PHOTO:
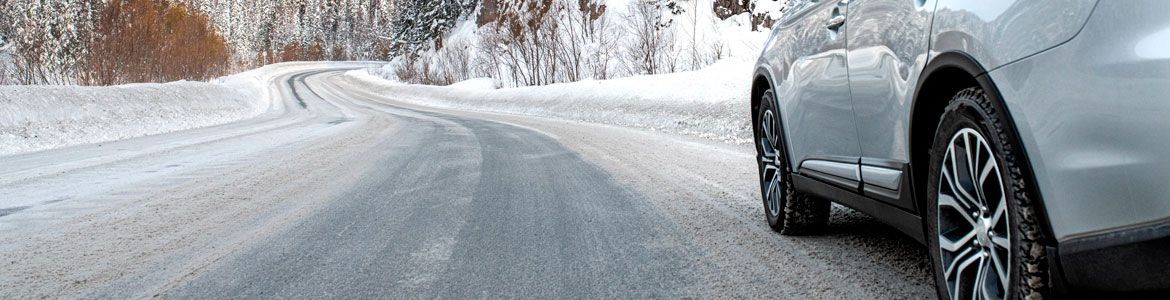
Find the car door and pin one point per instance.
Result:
(888, 42)
(812, 89)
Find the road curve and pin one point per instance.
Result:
(343, 192)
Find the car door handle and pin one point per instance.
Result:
(835, 23)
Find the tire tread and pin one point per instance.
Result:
(801, 213)
(1033, 270)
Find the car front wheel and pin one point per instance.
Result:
(984, 237)
(787, 211)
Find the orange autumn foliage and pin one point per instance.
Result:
(154, 41)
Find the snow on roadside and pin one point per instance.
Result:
(709, 103)
(35, 118)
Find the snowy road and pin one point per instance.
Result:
(343, 193)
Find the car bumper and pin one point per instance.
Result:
(1094, 118)
(1130, 260)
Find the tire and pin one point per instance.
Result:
(787, 211)
(988, 213)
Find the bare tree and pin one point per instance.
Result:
(649, 39)
(524, 40)
(490, 61)
(5, 54)
(718, 49)
(406, 70)
(455, 61)
(573, 33)
(604, 37)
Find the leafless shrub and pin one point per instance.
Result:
(445, 66)
(604, 36)
(5, 57)
(147, 41)
(455, 62)
(573, 34)
(414, 69)
(405, 71)
(430, 75)
(5, 68)
(649, 39)
(670, 62)
(539, 42)
(523, 43)
(490, 62)
(717, 51)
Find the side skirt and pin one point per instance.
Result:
(902, 220)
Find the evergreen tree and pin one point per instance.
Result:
(422, 21)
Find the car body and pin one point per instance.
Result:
(860, 86)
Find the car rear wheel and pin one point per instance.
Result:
(787, 211)
(984, 234)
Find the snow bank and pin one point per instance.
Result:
(709, 103)
(34, 118)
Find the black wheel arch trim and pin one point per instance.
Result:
(949, 62)
(760, 72)
(763, 72)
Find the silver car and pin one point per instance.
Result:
(1025, 142)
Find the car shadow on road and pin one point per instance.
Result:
(868, 245)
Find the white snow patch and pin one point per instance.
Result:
(710, 103)
(35, 118)
(484, 83)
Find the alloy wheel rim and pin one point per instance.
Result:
(771, 162)
(974, 226)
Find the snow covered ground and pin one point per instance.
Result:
(34, 118)
(709, 103)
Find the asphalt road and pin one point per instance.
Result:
(344, 193)
(463, 208)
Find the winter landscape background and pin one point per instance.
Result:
(419, 148)
(155, 66)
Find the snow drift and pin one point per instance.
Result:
(34, 118)
(709, 103)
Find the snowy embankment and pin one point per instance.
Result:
(34, 118)
(710, 103)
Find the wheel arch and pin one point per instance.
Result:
(946, 74)
(761, 82)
